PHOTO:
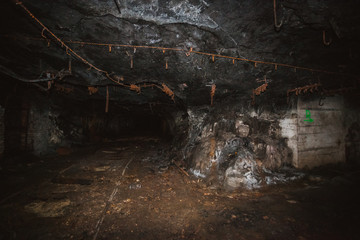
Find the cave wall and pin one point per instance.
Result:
(32, 125)
(352, 126)
(235, 145)
(238, 145)
(45, 135)
(16, 118)
(2, 128)
(42, 123)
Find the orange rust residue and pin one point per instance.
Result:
(168, 91)
(92, 90)
(304, 89)
(212, 93)
(136, 88)
(260, 89)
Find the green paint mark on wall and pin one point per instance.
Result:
(308, 116)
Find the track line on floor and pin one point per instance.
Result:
(109, 201)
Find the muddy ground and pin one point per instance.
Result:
(128, 190)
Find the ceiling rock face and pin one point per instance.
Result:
(241, 29)
(223, 77)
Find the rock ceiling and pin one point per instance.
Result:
(181, 47)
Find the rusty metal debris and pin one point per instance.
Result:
(168, 91)
(300, 90)
(212, 93)
(258, 91)
(166, 63)
(136, 88)
(92, 90)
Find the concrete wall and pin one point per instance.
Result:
(321, 141)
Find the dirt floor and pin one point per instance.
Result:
(127, 190)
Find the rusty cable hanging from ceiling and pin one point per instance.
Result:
(107, 100)
(212, 93)
(255, 62)
(277, 26)
(299, 90)
(70, 51)
(326, 42)
(163, 87)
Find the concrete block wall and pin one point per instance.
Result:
(320, 141)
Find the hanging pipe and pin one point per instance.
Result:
(277, 26)
(326, 43)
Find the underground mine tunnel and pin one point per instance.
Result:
(181, 119)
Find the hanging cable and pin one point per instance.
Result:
(277, 26)
(71, 51)
(212, 93)
(107, 100)
(61, 74)
(275, 64)
(326, 43)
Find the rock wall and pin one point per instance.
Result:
(45, 134)
(236, 146)
(352, 126)
(233, 147)
(2, 129)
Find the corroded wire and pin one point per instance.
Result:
(70, 51)
(277, 26)
(326, 43)
(255, 62)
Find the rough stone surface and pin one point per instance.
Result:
(242, 29)
(243, 172)
(242, 129)
(226, 158)
(2, 129)
(46, 133)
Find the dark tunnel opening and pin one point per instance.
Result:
(43, 124)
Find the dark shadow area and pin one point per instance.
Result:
(41, 123)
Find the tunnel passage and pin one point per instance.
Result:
(142, 112)
(42, 124)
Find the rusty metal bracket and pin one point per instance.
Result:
(320, 101)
